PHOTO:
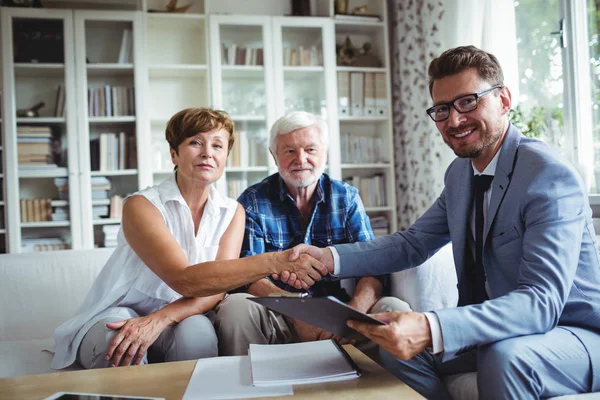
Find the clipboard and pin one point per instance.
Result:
(327, 313)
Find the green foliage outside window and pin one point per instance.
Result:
(536, 122)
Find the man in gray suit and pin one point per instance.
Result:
(528, 319)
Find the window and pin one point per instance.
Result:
(558, 45)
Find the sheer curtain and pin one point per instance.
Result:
(420, 31)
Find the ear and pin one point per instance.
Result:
(174, 157)
(274, 158)
(505, 100)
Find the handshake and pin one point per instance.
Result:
(303, 265)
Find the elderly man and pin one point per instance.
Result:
(300, 204)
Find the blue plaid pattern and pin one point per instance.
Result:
(274, 223)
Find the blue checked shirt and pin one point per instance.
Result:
(274, 223)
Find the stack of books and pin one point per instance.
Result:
(35, 147)
(43, 244)
(380, 226)
(110, 235)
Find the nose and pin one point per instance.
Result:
(207, 152)
(455, 118)
(301, 157)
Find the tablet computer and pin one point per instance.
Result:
(327, 313)
(94, 396)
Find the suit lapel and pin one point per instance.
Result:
(504, 169)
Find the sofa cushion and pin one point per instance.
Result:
(431, 285)
(27, 357)
(39, 291)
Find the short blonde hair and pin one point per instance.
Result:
(191, 121)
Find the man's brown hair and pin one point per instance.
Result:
(458, 59)
(192, 121)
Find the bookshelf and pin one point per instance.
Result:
(255, 64)
(91, 90)
(176, 48)
(243, 85)
(365, 115)
(36, 148)
(263, 67)
(110, 78)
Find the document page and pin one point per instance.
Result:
(227, 378)
(300, 363)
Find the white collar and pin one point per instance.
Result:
(491, 167)
(169, 191)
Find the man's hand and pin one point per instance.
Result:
(406, 335)
(135, 336)
(306, 269)
(322, 255)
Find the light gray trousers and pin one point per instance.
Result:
(190, 339)
(241, 322)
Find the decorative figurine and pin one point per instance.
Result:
(172, 8)
(31, 112)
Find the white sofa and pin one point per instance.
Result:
(39, 291)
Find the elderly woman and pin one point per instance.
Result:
(174, 260)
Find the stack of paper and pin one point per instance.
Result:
(227, 378)
(300, 363)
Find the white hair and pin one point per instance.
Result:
(294, 121)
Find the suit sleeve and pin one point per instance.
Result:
(552, 211)
(399, 251)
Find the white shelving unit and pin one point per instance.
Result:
(176, 48)
(110, 124)
(246, 92)
(179, 61)
(28, 80)
(96, 55)
(376, 127)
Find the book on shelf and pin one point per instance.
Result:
(36, 210)
(116, 207)
(110, 235)
(59, 108)
(314, 362)
(370, 188)
(111, 101)
(369, 92)
(302, 56)
(30, 245)
(343, 93)
(357, 98)
(126, 50)
(381, 102)
(232, 54)
(357, 18)
(358, 149)
(111, 151)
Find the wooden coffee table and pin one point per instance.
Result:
(169, 380)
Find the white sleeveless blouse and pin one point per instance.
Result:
(126, 283)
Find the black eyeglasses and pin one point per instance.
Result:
(464, 104)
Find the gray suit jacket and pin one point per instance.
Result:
(540, 257)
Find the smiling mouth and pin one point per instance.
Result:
(463, 133)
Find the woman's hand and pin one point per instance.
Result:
(135, 336)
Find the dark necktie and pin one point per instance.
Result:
(481, 183)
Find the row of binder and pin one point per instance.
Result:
(362, 94)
